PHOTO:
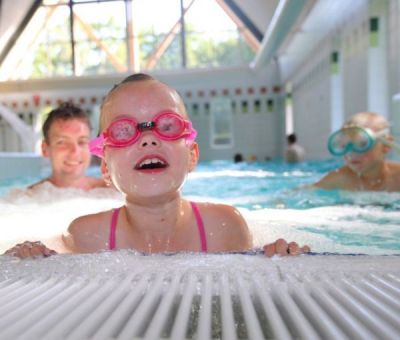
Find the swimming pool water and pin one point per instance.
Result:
(269, 194)
(276, 184)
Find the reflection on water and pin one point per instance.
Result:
(267, 193)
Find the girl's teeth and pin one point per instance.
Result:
(151, 161)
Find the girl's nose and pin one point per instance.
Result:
(148, 139)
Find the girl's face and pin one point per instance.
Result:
(151, 166)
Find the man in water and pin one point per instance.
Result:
(66, 135)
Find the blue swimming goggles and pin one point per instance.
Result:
(356, 139)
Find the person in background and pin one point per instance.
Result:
(66, 135)
(147, 146)
(238, 158)
(364, 141)
(294, 152)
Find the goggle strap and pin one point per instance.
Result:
(395, 146)
(96, 146)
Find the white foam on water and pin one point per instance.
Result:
(337, 229)
(48, 212)
(111, 264)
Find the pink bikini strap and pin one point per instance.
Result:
(113, 227)
(200, 226)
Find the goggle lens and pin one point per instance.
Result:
(170, 126)
(122, 131)
(353, 139)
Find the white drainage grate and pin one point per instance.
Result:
(210, 306)
(200, 305)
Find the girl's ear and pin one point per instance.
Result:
(105, 173)
(45, 149)
(194, 156)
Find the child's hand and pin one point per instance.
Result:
(30, 249)
(282, 248)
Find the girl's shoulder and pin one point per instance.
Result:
(218, 210)
(225, 226)
(89, 233)
(90, 220)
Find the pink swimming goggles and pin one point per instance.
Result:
(126, 131)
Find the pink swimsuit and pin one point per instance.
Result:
(196, 211)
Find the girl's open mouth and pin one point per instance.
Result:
(151, 164)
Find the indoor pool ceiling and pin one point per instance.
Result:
(297, 27)
(290, 29)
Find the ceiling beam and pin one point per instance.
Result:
(13, 38)
(245, 20)
(282, 22)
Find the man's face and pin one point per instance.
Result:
(67, 147)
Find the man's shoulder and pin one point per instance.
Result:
(95, 182)
(38, 184)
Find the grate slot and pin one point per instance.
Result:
(102, 311)
(228, 321)
(319, 318)
(343, 318)
(118, 318)
(379, 307)
(205, 312)
(391, 287)
(29, 300)
(278, 326)
(363, 313)
(156, 326)
(303, 329)
(75, 310)
(253, 328)
(393, 277)
(10, 290)
(38, 308)
(141, 317)
(182, 318)
(380, 292)
(23, 292)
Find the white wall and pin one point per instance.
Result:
(354, 39)
(368, 78)
(311, 105)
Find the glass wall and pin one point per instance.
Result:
(87, 37)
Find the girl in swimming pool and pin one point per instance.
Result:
(147, 149)
(364, 142)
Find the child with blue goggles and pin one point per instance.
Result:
(364, 142)
(357, 139)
